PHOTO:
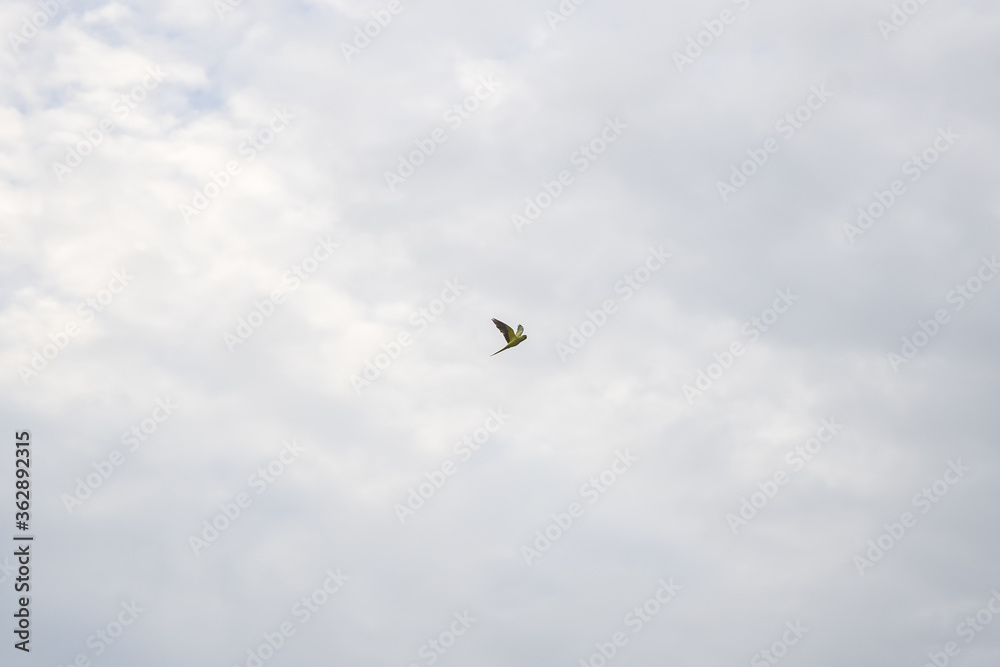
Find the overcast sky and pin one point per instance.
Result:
(250, 252)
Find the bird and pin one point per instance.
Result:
(512, 337)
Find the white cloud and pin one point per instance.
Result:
(323, 176)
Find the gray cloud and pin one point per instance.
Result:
(63, 237)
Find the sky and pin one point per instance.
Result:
(249, 257)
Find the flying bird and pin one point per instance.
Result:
(512, 337)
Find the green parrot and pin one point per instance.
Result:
(512, 337)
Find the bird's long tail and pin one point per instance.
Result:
(499, 351)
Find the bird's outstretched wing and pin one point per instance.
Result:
(507, 332)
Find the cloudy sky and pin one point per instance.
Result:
(250, 252)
